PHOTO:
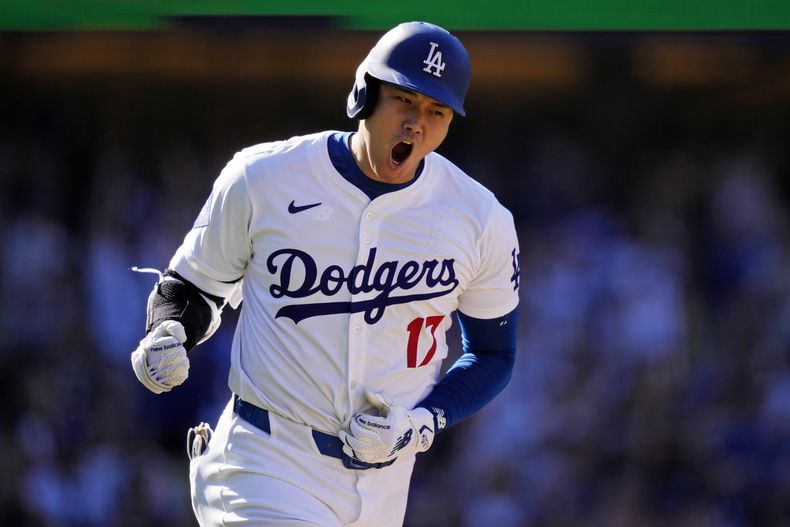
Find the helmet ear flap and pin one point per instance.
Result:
(363, 97)
(356, 98)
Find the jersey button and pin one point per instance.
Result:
(368, 239)
(353, 385)
(356, 329)
(369, 215)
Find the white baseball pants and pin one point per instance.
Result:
(247, 477)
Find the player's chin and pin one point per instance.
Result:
(400, 172)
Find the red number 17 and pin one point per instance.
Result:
(415, 328)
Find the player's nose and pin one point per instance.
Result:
(414, 121)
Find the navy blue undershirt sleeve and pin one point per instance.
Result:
(482, 372)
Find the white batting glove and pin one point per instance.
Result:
(395, 431)
(160, 361)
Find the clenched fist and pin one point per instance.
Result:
(396, 430)
(160, 361)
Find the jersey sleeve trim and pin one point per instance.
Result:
(208, 280)
(492, 312)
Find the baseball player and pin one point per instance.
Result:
(352, 252)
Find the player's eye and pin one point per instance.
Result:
(402, 99)
(438, 113)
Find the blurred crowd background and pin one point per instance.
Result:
(649, 176)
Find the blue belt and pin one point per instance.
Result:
(327, 444)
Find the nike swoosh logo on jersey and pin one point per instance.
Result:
(293, 209)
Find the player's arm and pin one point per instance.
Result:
(479, 375)
(185, 306)
(488, 339)
(179, 316)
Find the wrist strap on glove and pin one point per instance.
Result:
(174, 298)
(422, 422)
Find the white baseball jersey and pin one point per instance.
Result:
(342, 293)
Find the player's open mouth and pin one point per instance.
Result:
(400, 152)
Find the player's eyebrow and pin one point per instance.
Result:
(414, 93)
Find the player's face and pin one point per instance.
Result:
(405, 127)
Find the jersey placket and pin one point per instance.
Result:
(358, 330)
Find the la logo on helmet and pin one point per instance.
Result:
(434, 64)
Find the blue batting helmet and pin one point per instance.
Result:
(417, 56)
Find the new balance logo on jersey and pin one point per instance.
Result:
(434, 64)
(386, 278)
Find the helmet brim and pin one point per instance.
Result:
(429, 87)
